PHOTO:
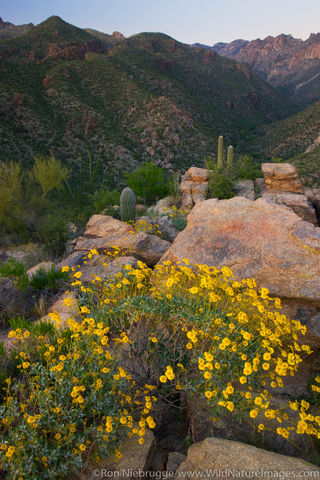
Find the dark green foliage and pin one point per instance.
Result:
(113, 99)
(104, 199)
(221, 179)
(246, 168)
(219, 184)
(308, 166)
(174, 183)
(52, 279)
(52, 234)
(179, 222)
(16, 271)
(127, 205)
(148, 182)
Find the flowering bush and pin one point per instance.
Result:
(201, 331)
(197, 330)
(71, 403)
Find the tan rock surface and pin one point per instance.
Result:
(45, 266)
(281, 177)
(255, 239)
(225, 457)
(104, 232)
(193, 187)
(297, 202)
(135, 458)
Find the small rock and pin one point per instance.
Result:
(174, 461)
(168, 230)
(164, 205)
(64, 310)
(193, 187)
(244, 188)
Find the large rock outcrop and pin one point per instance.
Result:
(193, 188)
(104, 232)
(281, 177)
(228, 459)
(266, 241)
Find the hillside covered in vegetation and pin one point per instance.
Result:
(147, 97)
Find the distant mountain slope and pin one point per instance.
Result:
(67, 90)
(9, 30)
(291, 136)
(108, 40)
(308, 165)
(296, 139)
(289, 64)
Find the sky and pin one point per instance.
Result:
(189, 21)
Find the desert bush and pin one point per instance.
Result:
(104, 199)
(52, 279)
(71, 401)
(52, 233)
(148, 182)
(10, 192)
(201, 331)
(196, 329)
(246, 168)
(15, 270)
(219, 184)
(179, 222)
(48, 173)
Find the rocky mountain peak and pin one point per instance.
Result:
(118, 35)
(4, 25)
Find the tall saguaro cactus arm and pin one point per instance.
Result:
(230, 156)
(220, 152)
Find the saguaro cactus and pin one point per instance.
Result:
(220, 152)
(230, 156)
(127, 205)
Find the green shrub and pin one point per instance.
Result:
(148, 182)
(49, 173)
(104, 199)
(52, 234)
(174, 183)
(179, 222)
(219, 184)
(52, 279)
(245, 168)
(15, 270)
(10, 192)
(71, 403)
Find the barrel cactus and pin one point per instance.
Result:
(230, 157)
(220, 152)
(127, 205)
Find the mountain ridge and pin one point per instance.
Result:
(146, 97)
(287, 63)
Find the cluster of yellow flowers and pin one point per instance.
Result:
(235, 334)
(224, 339)
(173, 211)
(142, 225)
